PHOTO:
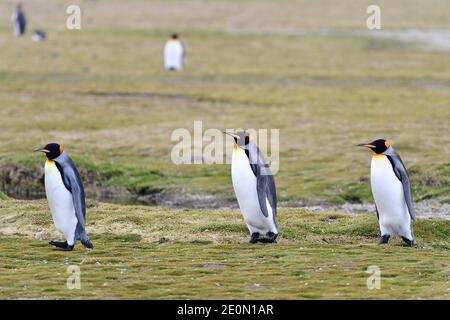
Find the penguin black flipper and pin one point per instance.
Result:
(72, 181)
(402, 175)
(265, 184)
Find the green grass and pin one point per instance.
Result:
(102, 93)
(155, 253)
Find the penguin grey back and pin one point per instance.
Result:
(265, 182)
(402, 174)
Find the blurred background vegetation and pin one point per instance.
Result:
(309, 68)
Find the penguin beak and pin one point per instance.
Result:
(232, 134)
(41, 149)
(370, 146)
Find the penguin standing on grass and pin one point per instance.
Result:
(65, 195)
(174, 54)
(19, 21)
(254, 187)
(392, 192)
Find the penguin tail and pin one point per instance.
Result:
(87, 243)
(80, 234)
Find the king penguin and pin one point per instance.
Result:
(65, 196)
(174, 54)
(19, 21)
(391, 191)
(254, 187)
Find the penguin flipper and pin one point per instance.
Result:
(402, 175)
(265, 184)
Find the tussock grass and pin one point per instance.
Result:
(152, 252)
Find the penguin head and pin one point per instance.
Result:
(241, 138)
(377, 146)
(52, 150)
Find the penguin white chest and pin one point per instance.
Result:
(388, 194)
(244, 184)
(60, 202)
(173, 55)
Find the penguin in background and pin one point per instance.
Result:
(174, 54)
(255, 190)
(19, 21)
(39, 36)
(391, 191)
(65, 196)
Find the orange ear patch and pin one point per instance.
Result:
(61, 149)
(387, 144)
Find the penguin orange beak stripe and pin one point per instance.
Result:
(232, 134)
(41, 150)
(370, 146)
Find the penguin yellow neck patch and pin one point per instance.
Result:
(236, 148)
(378, 156)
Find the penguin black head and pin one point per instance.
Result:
(52, 150)
(241, 138)
(174, 36)
(377, 146)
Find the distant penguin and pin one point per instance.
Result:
(19, 21)
(392, 192)
(65, 195)
(39, 36)
(254, 187)
(174, 54)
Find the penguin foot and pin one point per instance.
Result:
(59, 244)
(64, 246)
(87, 243)
(384, 239)
(272, 237)
(255, 237)
(409, 243)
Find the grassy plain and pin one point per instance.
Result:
(146, 252)
(296, 66)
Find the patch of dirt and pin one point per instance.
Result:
(438, 39)
(425, 209)
(28, 183)
(179, 199)
(20, 182)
